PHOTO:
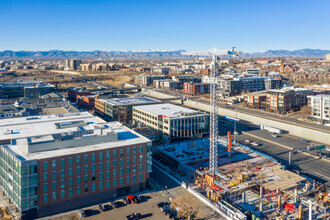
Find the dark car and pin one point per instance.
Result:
(102, 207)
(138, 198)
(113, 205)
(161, 204)
(125, 201)
(166, 210)
(165, 207)
(133, 216)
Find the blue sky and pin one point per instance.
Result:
(84, 25)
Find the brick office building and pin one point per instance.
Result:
(52, 164)
(74, 92)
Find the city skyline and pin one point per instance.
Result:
(171, 25)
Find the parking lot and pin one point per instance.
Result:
(147, 207)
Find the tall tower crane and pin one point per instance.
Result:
(215, 53)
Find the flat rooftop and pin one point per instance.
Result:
(131, 101)
(169, 110)
(54, 135)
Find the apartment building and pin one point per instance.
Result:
(73, 93)
(271, 83)
(196, 88)
(320, 107)
(52, 164)
(160, 70)
(86, 102)
(172, 121)
(230, 87)
(33, 89)
(121, 109)
(146, 80)
(256, 100)
(168, 84)
(284, 100)
(252, 84)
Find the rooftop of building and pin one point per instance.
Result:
(130, 101)
(320, 96)
(40, 137)
(27, 84)
(169, 110)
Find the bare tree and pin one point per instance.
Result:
(188, 207)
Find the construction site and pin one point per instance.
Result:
(254, 183)
(240, 182)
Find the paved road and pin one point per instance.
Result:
(272, 116)
(314, 168)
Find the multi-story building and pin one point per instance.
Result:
(146, 80)
(160, 70)
(86, 67)
(252, 84)
(284, 100)
(35, 89)
(168, 83)
(230, 87)
(86, 102)
(327, 58)
(320, 107)
(73, 93)
(271, 83)
(196, 88)
(186, 78)
(174, 122)
(72, 64)
(121, 109)
(205, 72)
(52, 164)
(256, 100)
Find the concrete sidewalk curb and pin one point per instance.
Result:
(283, 146)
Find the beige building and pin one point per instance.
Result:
(174, 122)
(86, 67)
(328, 58)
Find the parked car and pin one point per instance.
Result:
(125, 201)
(133, 216)
(81, 213)
(165, 207)
(247, 141)
(131, 199)
(274, 135)
(161, 204)
(138, 198)
(102, 207)
(113, 205)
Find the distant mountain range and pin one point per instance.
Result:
(147, 54)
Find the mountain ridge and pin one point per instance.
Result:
(149, 54)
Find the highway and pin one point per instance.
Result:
(272, 116)
(314, 168)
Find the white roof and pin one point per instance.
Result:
(28, 129)
(169, 110)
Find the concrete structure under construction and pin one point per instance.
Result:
(247, 184)
(174, 122)
(56, 163)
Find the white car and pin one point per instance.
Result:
(255, 144)
(247, 141)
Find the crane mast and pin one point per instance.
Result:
(215, 53)
(214, 115)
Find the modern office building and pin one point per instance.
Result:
(72, 64)
(121, 109)
(34, 89)
(320, 107)
(52, 164)
(174, 122)
(252, 84)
